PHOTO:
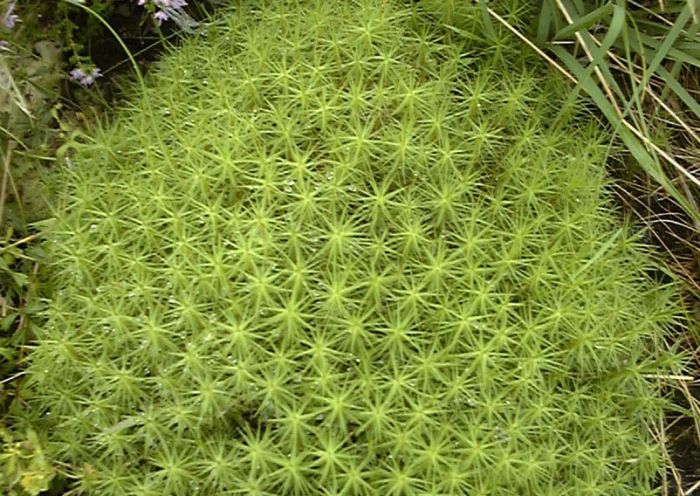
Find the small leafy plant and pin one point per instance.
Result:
(332, 249)
(25, 468)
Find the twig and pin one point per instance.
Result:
(5, 175)
(670, 377)
(26, 239)
(13, 377)
(692, 489)
(532, 45)
(660, 437)
(597, 70)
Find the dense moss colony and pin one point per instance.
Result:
(331, 250)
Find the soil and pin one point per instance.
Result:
(678, 244)
(684, 448)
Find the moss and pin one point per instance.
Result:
(329, 251)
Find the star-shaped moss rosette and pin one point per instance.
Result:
(329, 251)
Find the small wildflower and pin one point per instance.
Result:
(10, 18)
(77, 74)
(85, 80)
(171, 4)
(160, 16)
(166, 8)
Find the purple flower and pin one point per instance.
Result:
(85, 80)
(170, 4)
(166, 8)
(10, 18)
(161, 16)
(77, 74)
(90, 78)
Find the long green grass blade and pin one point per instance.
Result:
(599, 53)
(666, 45)
(617, 24)
(690, 47)
(586, 21)
(599, 61)
(488, 24)
(647, 46)
(634, 101)
(546, 21)
(680, 91)
(647, 160)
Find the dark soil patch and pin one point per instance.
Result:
(677, 242)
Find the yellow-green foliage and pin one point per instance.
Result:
(329, 251)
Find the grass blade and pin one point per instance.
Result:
(680, 91)
(586, 21)
(663, 49)
(631, 137)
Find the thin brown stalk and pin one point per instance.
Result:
(597, 70)
(5, 177)
(531, 45)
